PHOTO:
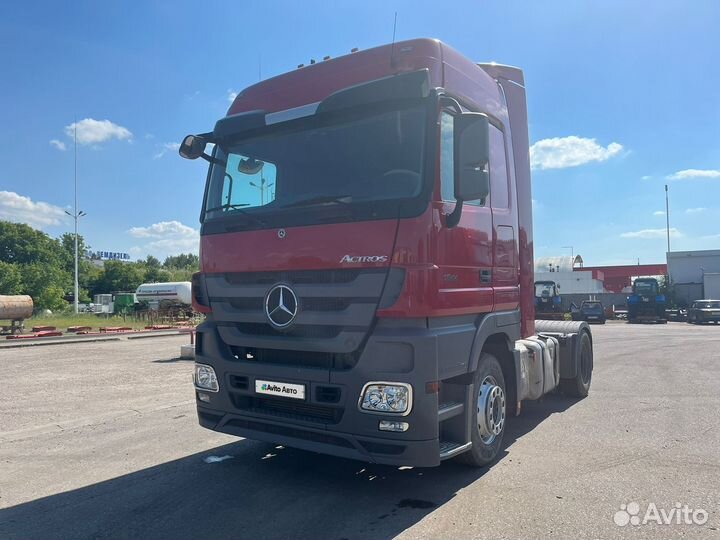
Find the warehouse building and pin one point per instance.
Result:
(694, 275)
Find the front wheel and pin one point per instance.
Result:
(488, 415)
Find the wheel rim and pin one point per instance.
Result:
(490, 410)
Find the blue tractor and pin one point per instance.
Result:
(646, 304)
(548, 303)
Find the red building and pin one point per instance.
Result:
(616, 278)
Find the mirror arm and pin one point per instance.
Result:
(213, 160)
(453, 218)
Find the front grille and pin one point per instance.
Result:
(311, 359)
(304, 331)
(297, 276)
(336, 309)
(287, 409)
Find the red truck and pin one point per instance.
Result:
(367, 261)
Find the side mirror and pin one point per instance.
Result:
(472, 153)
(192, 147)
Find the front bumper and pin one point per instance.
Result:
(328, 420)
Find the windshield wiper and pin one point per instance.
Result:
(320, 199)
(239, 207)
(227, 206)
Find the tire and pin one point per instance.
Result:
(579, 386)
(486, 444)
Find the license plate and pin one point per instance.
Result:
(280, 389)
(592, 317)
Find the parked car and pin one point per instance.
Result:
(704, 311)
(592, 311)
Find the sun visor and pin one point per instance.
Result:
(412, 85)
(237, 123)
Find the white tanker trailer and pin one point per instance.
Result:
(15, 309)
(155, 294)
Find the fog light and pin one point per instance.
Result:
(386, 397)
(202, 396)
(389, 425)
(205, 378)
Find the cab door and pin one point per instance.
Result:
(464, 253)
(505, 266)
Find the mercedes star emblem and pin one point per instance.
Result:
(281, 306)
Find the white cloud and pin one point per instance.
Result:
(165, 148)
(689, 174)
(90, 131)
(652, 233)
(659, 213)
(695, 210)
(232, 94)
(563, 152)
(646, 177)
(58, 144)
(166, 238)
(21, 209)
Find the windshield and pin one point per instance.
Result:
(645, 287)
(373, 158)
(544, 289)
(708, 305)
(594, 306)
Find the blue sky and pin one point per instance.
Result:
(622, 95)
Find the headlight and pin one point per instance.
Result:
(386, 398)
(205, 378)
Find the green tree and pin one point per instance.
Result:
(152, 262)
(119, 276)
(21, 244)
(46, 284)
(185, 261)
(10, 278)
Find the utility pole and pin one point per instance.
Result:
(667, 217)
(76, 215)
(262, 187)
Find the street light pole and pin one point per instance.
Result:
(76, 215)
(667, 217)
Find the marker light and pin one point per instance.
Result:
(392, 425)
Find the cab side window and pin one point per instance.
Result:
(498, 170)
(447, 167)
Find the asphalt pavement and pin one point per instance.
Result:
(99, 440)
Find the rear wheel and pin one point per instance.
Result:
(488, 415)
(579, 386)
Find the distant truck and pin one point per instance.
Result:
(367, 261)
(158, 295)
(646, 304)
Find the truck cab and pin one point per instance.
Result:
(366, 261)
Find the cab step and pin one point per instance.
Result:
(448, 410)
(449, 449)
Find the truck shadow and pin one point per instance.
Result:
(261, 491)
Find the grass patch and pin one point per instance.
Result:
(63, 321)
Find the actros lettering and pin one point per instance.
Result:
(363, 258)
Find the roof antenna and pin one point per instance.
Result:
(392, 47)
